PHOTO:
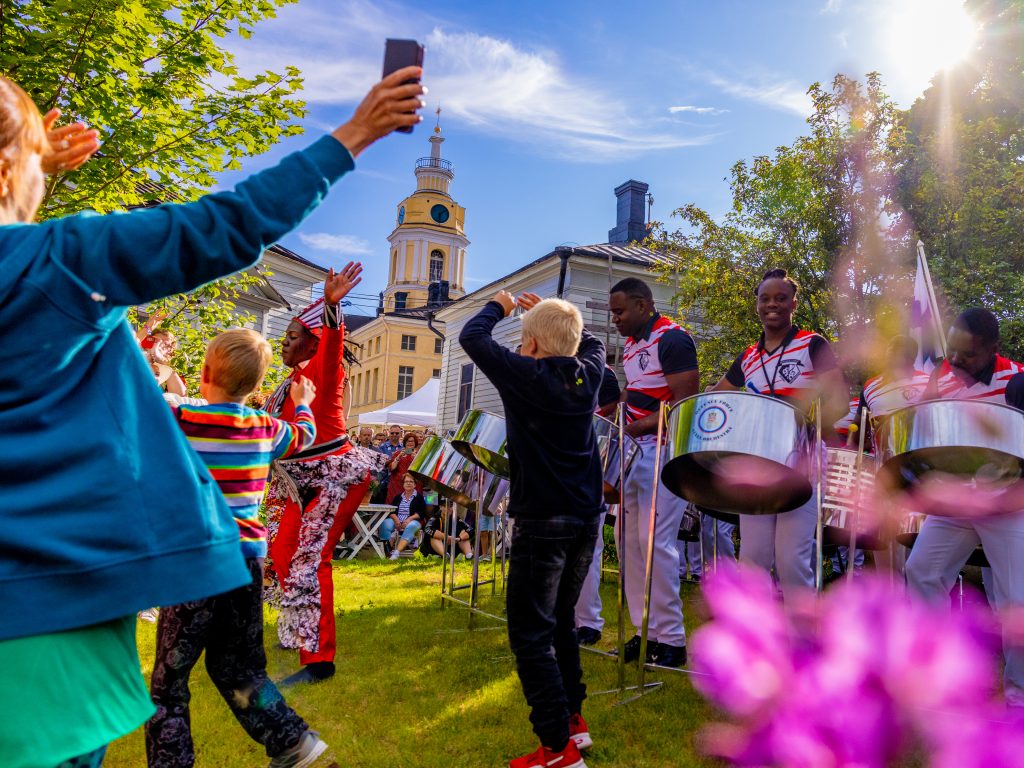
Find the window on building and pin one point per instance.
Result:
(375, 372)
(355, 388)
(366, 388)
(378, 346)
(465, 389)
(436, 265)
(401, 299)
(438, 346)
(408, 343)
(404, 381)
(436, 374)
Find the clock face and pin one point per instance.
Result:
(439, 213)
(401, 214)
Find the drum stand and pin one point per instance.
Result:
(448, 588)
(851, 555)
(642, 687)
(819, 566)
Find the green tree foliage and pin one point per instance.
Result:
(962, 177)
(156, 79)
(820, 208)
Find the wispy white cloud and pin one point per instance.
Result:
(344, 245)
(832, 6)
(497, 86)
(697, 110)
(786, 95)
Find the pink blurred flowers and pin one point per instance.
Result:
(861, 677)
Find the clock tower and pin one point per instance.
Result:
(428, 244)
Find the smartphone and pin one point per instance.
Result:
(399, 54)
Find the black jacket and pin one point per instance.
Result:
(549, 411)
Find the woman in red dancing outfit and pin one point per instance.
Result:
(324, 484)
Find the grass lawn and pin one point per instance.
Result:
(416, 687)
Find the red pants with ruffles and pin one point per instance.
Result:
(283, 548)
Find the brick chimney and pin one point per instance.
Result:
(631, 219)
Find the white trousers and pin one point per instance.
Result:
(666, 618)
(588, 606)
(690, 556)
(711, 530)
(785, 540)
(942, 550)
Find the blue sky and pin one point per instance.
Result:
(547, 106)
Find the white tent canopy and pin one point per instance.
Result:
(418, 409)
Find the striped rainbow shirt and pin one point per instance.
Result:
(237, 444)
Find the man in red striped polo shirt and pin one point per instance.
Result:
(974, 370)
(660, 361)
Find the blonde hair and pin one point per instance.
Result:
(21, 125)
(555, 325)
(237, 361)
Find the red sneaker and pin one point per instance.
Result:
(579, 732)
(545, 758)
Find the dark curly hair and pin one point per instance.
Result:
(777, 274)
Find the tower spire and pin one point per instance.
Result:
(437, 125)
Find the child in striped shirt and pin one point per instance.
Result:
(237, 444)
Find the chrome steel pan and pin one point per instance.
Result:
(969, 439)
(738, 452)
(607, 433)
(481, 439)
(844, 489)
(440, 467)
(495, 490)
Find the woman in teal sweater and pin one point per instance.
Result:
(104, 509)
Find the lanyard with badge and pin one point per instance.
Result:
(764, 372)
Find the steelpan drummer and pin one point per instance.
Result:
(974, 370)
(797, 366)
(660, 362)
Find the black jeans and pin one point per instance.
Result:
(229, 627)
(549, 560)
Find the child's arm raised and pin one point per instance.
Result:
(299, 435)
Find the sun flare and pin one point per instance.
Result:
(926, 36)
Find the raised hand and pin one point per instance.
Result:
(507, 301)
(302, 391)
(528, 301)
(70, 145)
(337, 286)
(388, 105)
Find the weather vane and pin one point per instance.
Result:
(437, 125)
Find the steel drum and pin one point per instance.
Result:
(607, 433)
(739, 452)
(495, 491)
(440, 467)
(969, 439)
(844, 486)
(481, 439)
(725, 517)
(910, 527)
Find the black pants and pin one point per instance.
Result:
(549, 560)
(229, 627)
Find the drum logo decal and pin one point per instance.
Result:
(790, 370)
(712, 420)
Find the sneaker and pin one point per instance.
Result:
(485, 559)
(632, 649)
(315, 672)
(579, 732)
(588, 635)
(569, 757)
(303, 754)
(150, 615)
(395, 554)
(665, 655)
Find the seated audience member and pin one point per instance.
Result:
(406, 520)
(437, 539)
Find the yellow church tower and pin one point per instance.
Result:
(428, 244)
(400, 349)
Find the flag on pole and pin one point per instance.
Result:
(925, 323)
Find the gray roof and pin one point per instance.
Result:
(629, 253)
(289, 254)
(354, 322)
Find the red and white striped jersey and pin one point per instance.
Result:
(842, 427)
(951, 386)
(647, 360)
(787, 372)
(882, 397)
